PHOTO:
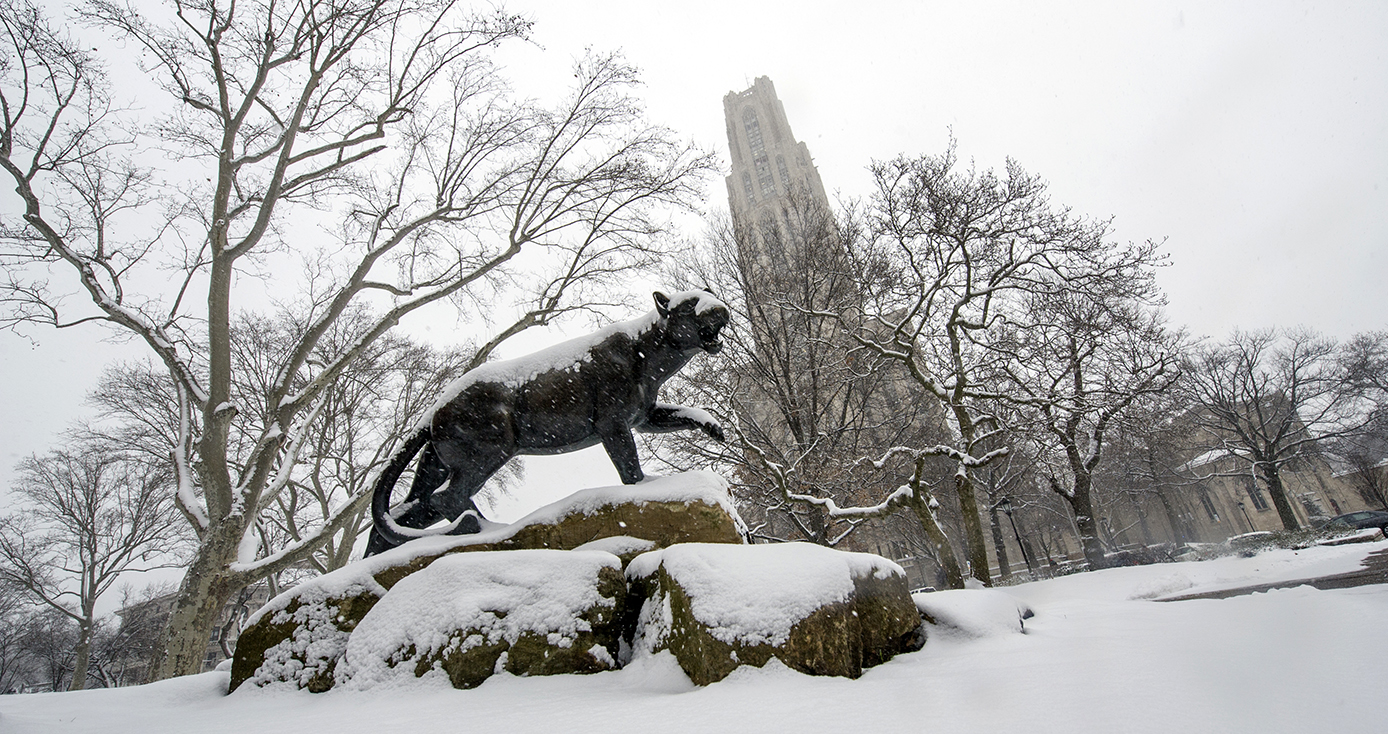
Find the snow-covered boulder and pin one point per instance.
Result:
(299, 635)
(974, 612)
(467, 616)
(692, 507)
(624, 547)
(818, 610)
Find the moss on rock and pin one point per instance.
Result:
(298, 636)
(873, 620)
(528, 613)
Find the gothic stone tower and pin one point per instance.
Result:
(768, 164)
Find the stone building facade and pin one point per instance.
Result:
(789, 248)
(768, 163)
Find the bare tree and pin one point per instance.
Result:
(1369, 476)
(1365, 359)
(1271, 398)
(1147, 451)
(799, 411)
(380, 395)
(1081, 360)
(14, 663)
(48, 639)
(121, 652)
(952, 251)
(379, 126)
(91, 517)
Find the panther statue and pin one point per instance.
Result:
(592, 389)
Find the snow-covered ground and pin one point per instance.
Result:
(1099, 656)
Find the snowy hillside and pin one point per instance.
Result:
(1098, 656)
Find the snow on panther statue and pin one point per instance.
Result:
(595, 388)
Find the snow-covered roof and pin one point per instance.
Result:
(1210, 457)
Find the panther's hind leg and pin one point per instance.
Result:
(469, 470)
(429, 475)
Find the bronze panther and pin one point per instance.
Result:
(596, 388)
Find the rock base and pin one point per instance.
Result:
(583, 586)
(819, 611)
(299, 636)
(468, 616)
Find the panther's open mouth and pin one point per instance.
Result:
(711, 329)
(708, 339)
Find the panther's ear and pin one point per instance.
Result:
(662, 304)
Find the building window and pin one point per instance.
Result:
(783, 171)
(1209, 506)
(753, 128)
(1312, 505)
(1255, 493)
(747, 187)
(763, 165)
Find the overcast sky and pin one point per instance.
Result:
(1251, 137)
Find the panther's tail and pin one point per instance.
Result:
(386, 536)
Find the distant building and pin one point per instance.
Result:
(142, 622)
(769, 165)
(1229, 499)
(784, 228)
(1214, 495)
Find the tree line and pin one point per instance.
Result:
(957, 346)
(909, 360)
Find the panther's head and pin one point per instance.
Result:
(693, 319)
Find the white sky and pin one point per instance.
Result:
(1252, 137)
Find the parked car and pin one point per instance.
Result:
(1360, 520)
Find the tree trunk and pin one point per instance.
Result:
(973, 527)
(83, 654)
(1083, 507)
(1142, 522)
(206, 588)
(1004, 566)
(1089, 536)
(954, 576)
(1178, 529)
(968, 499)
(818, 525)
(1272, 476)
